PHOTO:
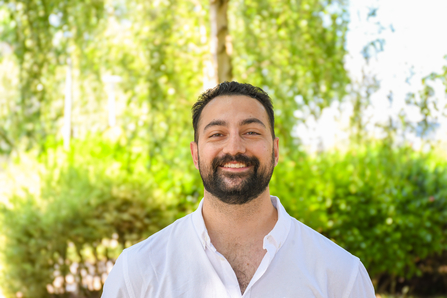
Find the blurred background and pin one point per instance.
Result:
(95, 125)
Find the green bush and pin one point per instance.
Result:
(386, 206)
(89, 205)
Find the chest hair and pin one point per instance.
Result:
(244, 260)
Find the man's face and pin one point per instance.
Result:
(235, 152)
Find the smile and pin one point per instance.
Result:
(234, 165)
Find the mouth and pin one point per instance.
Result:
(234, 166)
(239, 164)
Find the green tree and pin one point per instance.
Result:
(134, 178)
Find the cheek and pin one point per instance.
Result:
(206, 153)
(262, 148)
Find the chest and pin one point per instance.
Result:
(284, 277)
(244, 260)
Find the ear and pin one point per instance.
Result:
(194, 154)
(276, 150)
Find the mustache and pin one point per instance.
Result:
(249, 161)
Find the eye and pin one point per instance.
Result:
(252, 133)
(216, 135)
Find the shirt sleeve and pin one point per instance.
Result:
(362, 287)
(115, 285)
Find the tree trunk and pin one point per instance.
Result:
(220, 41)
(67, 106)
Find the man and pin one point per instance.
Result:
(240, 242)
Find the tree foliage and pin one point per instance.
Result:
(65, 213)
(293, 49)
(39, 50)
(161, 50)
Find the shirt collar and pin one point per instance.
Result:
(276, 237)
(199, 225)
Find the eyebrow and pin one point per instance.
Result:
(251, 120)
(215, 123)
(224, 123)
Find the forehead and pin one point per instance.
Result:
(233, 108)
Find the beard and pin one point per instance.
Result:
(236, 188)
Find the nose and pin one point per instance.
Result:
(234, 145)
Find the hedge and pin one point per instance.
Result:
(64, 227)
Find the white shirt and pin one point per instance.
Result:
(180, 261)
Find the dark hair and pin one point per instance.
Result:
(232, 88)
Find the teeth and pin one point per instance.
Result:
(234, 165)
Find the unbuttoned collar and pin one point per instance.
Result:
(276, 237)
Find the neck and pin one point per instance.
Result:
(238, 223)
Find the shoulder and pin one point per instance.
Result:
(161, 243)
(138, 267)
(322, 261)
(317, 244)
(140, 262)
